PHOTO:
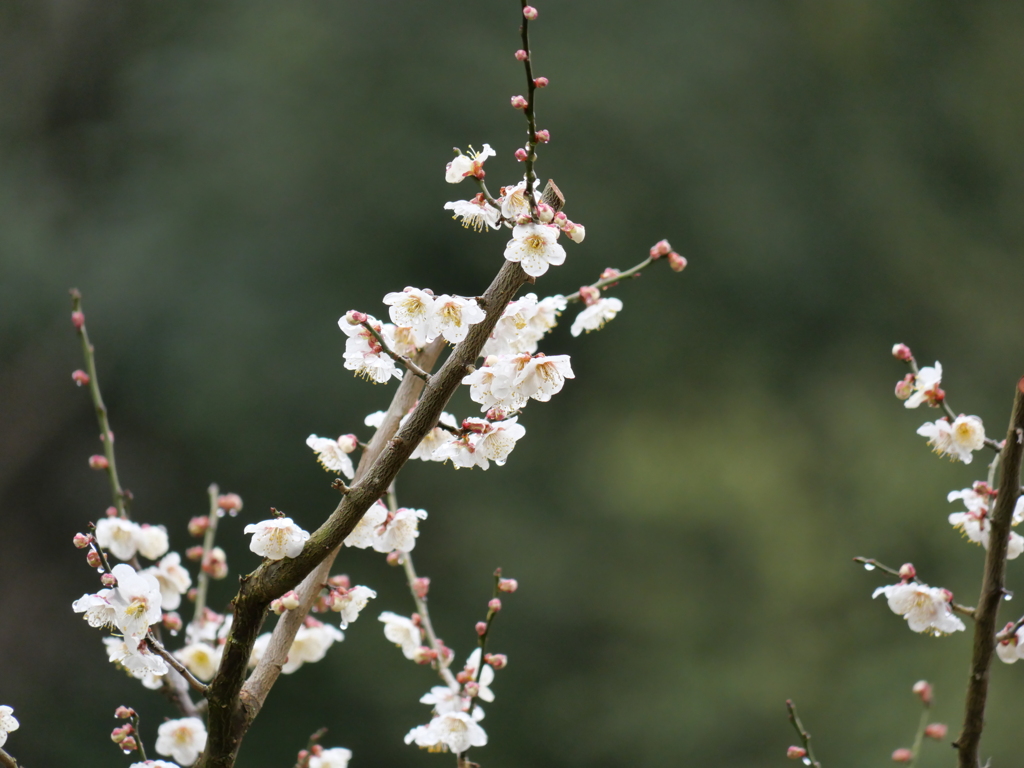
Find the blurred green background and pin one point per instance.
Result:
(224, 180)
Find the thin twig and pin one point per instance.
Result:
(963, 610)
(919, 736)
(805, 737)
(7, 761)
(138, 736)
(203, 580)
(995, 445)
(177, 665)
(531, 117)
(603, 283)
(402, 360)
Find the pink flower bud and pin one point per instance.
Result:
(496, 660)
(348, 443)
(795, 753)
(355, 317)
(98, 462)
(120, 733)
(464, 677)
(394, 558)
(129, 745)
(560, 219)
(277, 606)
(660, 248)
(936, 731)
(518, 102)
(545, 212)
(230, 502)
(194, 553)
(424, 655)
(192, 594)
(496, 414)
(905, 387)
(589, 294)
(902, 755)
(676, 262)
(216, 563)
(529, 12)
(507, 585)
(317, 750)
(123, 712)
(303, 755)
(93, 558)
(416, 619)
(521, 155)
(542, 136)
(908, 572)
(481, 628)
(82, 541)
(524, 219)
(576, 232)
(521, 55)
(290, 600)
(110, 512)
(540, 82)
(80, 377)
(902, 352)
(341, 581)
(108, 580)
(197, 525)
(172, 622)
(78, 319)
(472, 689)
(421, 586)
(494, 604)
(924, 691)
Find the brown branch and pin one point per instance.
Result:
(176, 665)
(402, 360)
(992, 587)
(230, 712)
(805, 737)
(7, 761)
(531, 116)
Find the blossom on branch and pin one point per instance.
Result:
(365, 532)
(174, 580)
(276, 539)
(926, 387)
(956, 440)
(412, 308)
(974, 523)
(311, 644)
(595, 316)
(399, 531)
(336, 757)
(365, 355)
(535, 248)
(181, 739)
(139, 662)
(118, 536)
(926, 609)
(8, 723)
(136, 601)
(350, 602)
(476, 214)
(403, 633)
(201, 659)
(454, 731)
(468, 165)
(334, 454)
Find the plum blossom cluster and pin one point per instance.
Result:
(125, 539)
(926, 609)
(974, 522)
(387, 531)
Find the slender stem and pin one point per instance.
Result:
(919, 736)
(402, 360)
(303, 762)
(7, 761)
(605, 282)
(120, 496)
(487, 195)
(992, 587)
(805, 737)
(203, 580)
(138, 737)
(531, 117)
(963, 610)
(177, 665)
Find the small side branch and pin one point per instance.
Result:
(7, 761)
(176, 665)
(805, 737)
(630, 273)
(203, 581)
(871, 564)
(402, 360)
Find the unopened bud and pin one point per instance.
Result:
(518, 102)
(110, 512)
(496, 414)
(660, 248)
(123, 712)
(82, 541)
(98, 462)
(94, 559)
(524, 218)
(340, 580)
(172, 622)
(576, 232)
(902, 755)
(589, 294)
(290, 600)
(119, 734)
(421, 586)
(424, 655)
(394, 558)
(496, 660)
(522, 55)
(78, 319)
(277, 606)
(924, 691)
(545, 212)
(230, 502)
(317, 750)
(529, 12)
(464, 677)
(197, 525)
(795, 753)
(108, 580)
(216, 563)
(472, 689)
(521, 155)
(192, 594)
(902, 352)
(908, 572)
(194, 553)
(494, 604)
(560, 220)
(676, 262)
(481, 628)
(542, 137)
(507, 585)
(303, 755)
(905, 387)
(540, 82)
(348, 443)
(355, 317)
(936, 731)
(80, 377)
(129, 744)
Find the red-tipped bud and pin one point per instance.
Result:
(108, 580)
(78, 319)
(424, 655)
(521, 155)
(660, 248)
(924, 691)
(394, 558)
(481, 628)
(192, 594)
(519, 102)
(464, 677)
(589, 294)
(795, 753)
(902, 755)
(123, 712)
(936, 731)
(197, 525)
(676, 262)
(119, 734)
(522, 55)
(216, 563)
(494, 604)
(529, 12)
(902, 352)
(129, 744)
(609, 273)
(545, 212)
(230, 502)
(421, 586)
(542, 136)
(172, 622)
(93, 558)
(908, 572)
(98, 462)
(507, 585)
(540, 82)
(496, 414)
(290, 600)
(80, 377)
(355, 317)
(348, 443)
(524, 218)
(340, 581)
(496, 660)
(317, 750)
(472, 689)
(560, 220)
(194, 554)
(905, 387)
(416, 619)
(303, 755)
(277, 606)
(110, 512)
(82, 541)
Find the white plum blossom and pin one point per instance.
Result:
(543, 377)
(444, 699)
(402, 632)
(365, 532)
(974, 523)
(311, 644)
(174, 580)
(454, 731)
(957, 440)
(152, 541)
(435, 438)
(118, 536)
(136, 600)
(201, 659)
(452, 316)
(515, 203)
(400, 532)
(364, 354)
(1009, 650)
(350, 602)
(467, 165)
(926, 609)
(8, 723)
(139, 662)
(491, 384)
(334, 454)
(535, 248)
(276, 539)
(461, 452)
(336, 757)
(492, 441)
(486, 675)
(375, 419)
(476, 214)
(926, 387)
(523, 324)
(97, 609)
(412, 308)
(181, 739)
(596, 315)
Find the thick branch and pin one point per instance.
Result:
(7, 761)
(230, 713)
(992, 587)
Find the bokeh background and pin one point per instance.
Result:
(224, 180)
